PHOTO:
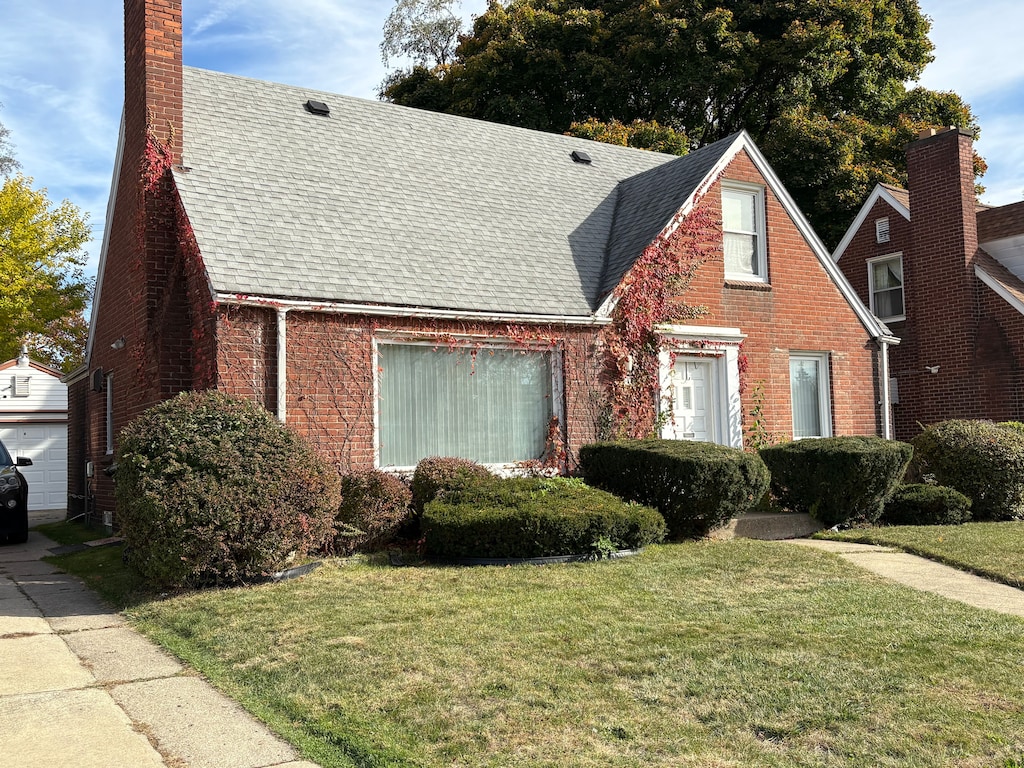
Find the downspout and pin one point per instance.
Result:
(886, 393)
(282, 364)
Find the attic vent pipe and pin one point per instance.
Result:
(317, 107)
(579, 156)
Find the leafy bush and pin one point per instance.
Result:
(437, 473)
(534, 517)
(696, 486)
(212, 489)
(837, 480)
(374, 507)
(983, 461)
(923, 504)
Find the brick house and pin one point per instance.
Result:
(396, 283)
(947, 276)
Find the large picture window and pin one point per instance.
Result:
(492, 405)
(743, 232)
(885, 275)
(809, 389)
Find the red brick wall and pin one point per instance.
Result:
(801, 309)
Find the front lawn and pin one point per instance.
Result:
(734, 653)
(995, 550)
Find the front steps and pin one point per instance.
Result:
(768, 526)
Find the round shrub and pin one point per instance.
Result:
(437, 473)
(922, 504)
(984, 461)
(374, 507)
(837, 480)
(212, 489)
(535, 517)
(697, 487)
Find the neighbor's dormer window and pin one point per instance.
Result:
(885, 284)
(743, 232)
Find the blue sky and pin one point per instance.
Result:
(61, 75)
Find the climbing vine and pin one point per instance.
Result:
(650, 295)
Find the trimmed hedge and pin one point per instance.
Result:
(435, 474)
(697, 487)
(534, 517)
(984, 461)
(837, 480)
(374, 507)
(922, 504)
(212, 489)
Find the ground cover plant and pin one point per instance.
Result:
(696, 654)
(990, 549)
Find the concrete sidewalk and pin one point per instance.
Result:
(78, 687)
(926, 575)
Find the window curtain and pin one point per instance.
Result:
(489, 405)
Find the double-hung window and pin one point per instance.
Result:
(810, 393)
(490, 404)
(743, 232)
(885, 285)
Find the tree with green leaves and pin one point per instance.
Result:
(44, 292)
(819, 85)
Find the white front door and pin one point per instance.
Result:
(691, 392)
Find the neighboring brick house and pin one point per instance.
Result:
(947, 276)
(397, 283)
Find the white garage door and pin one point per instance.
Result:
(47, 446)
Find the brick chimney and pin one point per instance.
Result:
(152, 72)
(938, 271)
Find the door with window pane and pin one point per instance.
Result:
(690, 390)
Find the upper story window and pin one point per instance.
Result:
(743, 232)
(882, 230)
(885, 286)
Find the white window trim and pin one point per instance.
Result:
(110, 413)
(385, 337)
(871, 286)
(721, 346)
(824, 392)
(761, 233)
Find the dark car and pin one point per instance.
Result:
(13, 498)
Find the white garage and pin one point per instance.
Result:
(34, 423)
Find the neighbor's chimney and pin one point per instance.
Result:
(940, 175)
(152, 72)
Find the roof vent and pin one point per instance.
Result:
(317, 107)
(579, 156)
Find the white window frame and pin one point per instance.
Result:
(824, 392)
(756, 191)
(557, 391)
(110, 413)
(872, 290)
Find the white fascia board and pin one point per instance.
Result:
(703, 333)
(380, 310)
(998, 287)
(608, 305)
(878, 193)
(94, 312)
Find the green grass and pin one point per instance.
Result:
(100, 568)
(701, 654)
(995, 550)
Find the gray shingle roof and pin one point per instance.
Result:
(388, 205)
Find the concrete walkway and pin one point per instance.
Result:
(78, 687)
(926, 575)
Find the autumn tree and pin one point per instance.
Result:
(819, 85)
(7, 161)
(44, 293)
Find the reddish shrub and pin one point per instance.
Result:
(374, 506)
(436, 473)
